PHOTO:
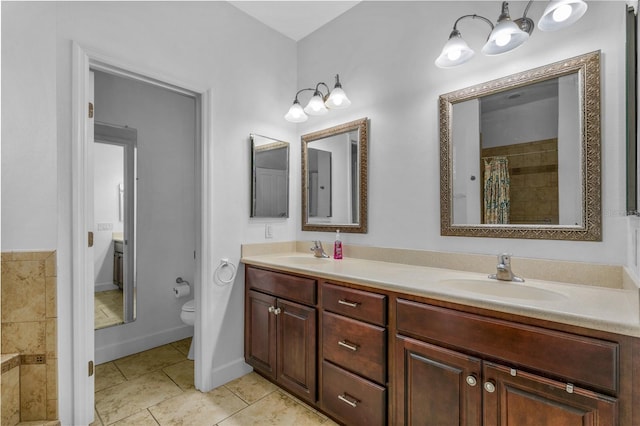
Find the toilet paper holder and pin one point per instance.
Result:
(179, 280)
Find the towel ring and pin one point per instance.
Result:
(216, 275)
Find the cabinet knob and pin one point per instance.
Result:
(274, 310)
(471, 380)
(489, 387)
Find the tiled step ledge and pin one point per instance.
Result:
(9, 362)
(601, 275)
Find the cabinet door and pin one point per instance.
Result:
(260, 333)
(517, 398)
(297, 348)
(435, 386)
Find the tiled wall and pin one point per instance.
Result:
(29, 328)
(533, 170)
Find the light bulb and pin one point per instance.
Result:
(454, 54)
(503, 39)
(562, 13)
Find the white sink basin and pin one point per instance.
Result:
(503, 289)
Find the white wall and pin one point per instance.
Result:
(251, 71)
(29, 184)
(384, 53)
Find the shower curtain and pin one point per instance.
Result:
(496, 190)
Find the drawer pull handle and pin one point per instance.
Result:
(345, 398)
(347, 303)
(489, 387)
(271, 309)
(348, 345)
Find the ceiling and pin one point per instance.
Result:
(294, 19)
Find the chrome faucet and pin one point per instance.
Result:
(504, 272)
(317, 249)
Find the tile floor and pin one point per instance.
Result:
(155, 387)
(108, 308)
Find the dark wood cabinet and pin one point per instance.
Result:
(513, 397)
(382, 357)
(280, 335)
(118, 264)
(436, 386)
(354, 353)
(440, 386)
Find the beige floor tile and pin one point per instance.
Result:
(108, 308)
(181, 373)
(194, 408)
(147, 361)
(274, 409)
(142, 418)
(183, 345)
(107, 375)
(127, 398)
(251, 387)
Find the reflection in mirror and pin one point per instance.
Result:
(115, 211)
(334, 172)
(270, 177)
(521, 155)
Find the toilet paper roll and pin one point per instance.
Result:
(182, 290)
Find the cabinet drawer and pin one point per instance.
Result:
(352, 399)
(286, 286)
(363, 305)
(355, 345)
(576, 359)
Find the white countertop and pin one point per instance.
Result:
(607, 309)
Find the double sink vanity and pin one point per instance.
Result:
(395, 336)
(372, 342)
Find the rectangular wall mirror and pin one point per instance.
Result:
(334, 176)
(269, 177)
(520, 156)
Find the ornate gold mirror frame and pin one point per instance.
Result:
(357, 179)
(588, 69)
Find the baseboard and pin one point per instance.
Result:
(105, 287)
(228, 372)
(137, 344)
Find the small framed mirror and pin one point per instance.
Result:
(334, 176)
(520, 156)
(269, 177)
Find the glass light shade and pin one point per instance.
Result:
(338, 99)
(561, 14)
(296, 113)
(455, 52)
(505, 36)
(316, 106)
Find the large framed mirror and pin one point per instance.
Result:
(334, 177)
(269, 177)
(520, 155)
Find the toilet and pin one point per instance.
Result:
(188, 316)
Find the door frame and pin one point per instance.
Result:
(82, 309)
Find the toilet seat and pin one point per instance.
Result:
(189, 306)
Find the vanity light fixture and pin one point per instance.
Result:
(319, 104)
(508, 34)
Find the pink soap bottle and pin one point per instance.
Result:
(337, 246)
